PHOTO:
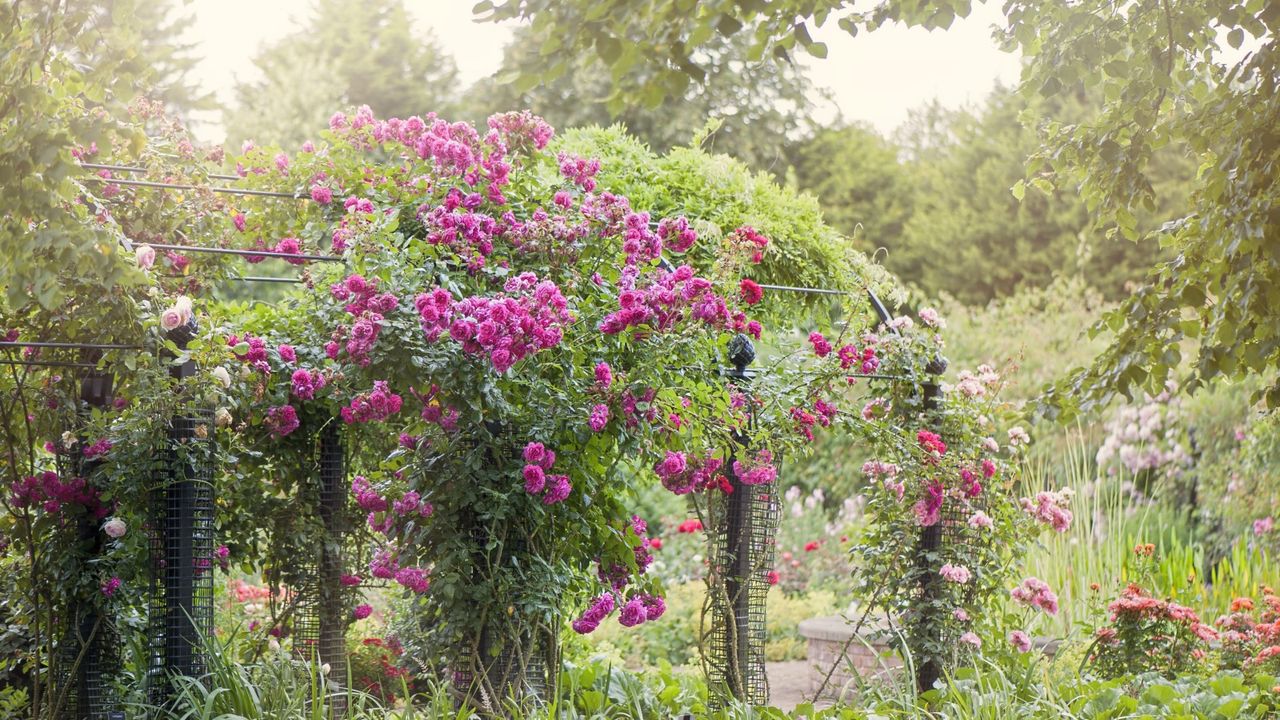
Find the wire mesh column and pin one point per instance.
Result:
(86, 653)
(741, 551)
(929, 624)
(320, 618)
(181, 612)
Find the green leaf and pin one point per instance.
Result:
(1235, 38)
(1019, 190)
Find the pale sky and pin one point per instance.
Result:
(876, 77)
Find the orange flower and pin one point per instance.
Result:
(1241, 603)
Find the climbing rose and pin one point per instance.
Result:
(604, 374)
(145, 255)
(751, 291)
(114, 528)
(599, 417)
(110, 587)
(282, 420)
(633, 613)
(821, 346)
(534, 479)
(321, 194)
(958, 574)
(362, 611)
(971, 639)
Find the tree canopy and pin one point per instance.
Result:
(1199, 73)
(350, 53)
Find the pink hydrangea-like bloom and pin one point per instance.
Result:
(760, 470)
(361, 612)
(972, 639)
(288, 354)
(930, 318)
(1262, 526)
(599, 417)
(350, 580)
(366, 497)
(1020, 641)
(960, 615)
(654, 607)
(990, 445)
(958, 574)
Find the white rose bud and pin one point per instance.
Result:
(222, 417)
(183, 305)
(221, 375)
(324, 669)
(114, 528)
(145, 255)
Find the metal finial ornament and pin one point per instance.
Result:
(741, 352)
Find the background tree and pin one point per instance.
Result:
(352, 52)
(756, 106)
(858, 178)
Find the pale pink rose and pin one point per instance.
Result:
(1020, 641)
(171, 319)
(145, 255)
(114, 528)
(971, 639)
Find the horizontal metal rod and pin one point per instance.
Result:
(71, 346)
(47, 363)
(263, 278)
(810, 291)
(248, 253)
(187, 186)
(135, 169)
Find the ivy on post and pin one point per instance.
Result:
(742, 537)
(182, 543)
(928, 629)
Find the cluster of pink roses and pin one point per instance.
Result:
(368, 307)
(1050, 508)
(538, 460)
(682, 475)
(305, 383)
(374, 406)
(51, 493)
(667, 298)
(255, 356)
(1034, 592)
(530, 317)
